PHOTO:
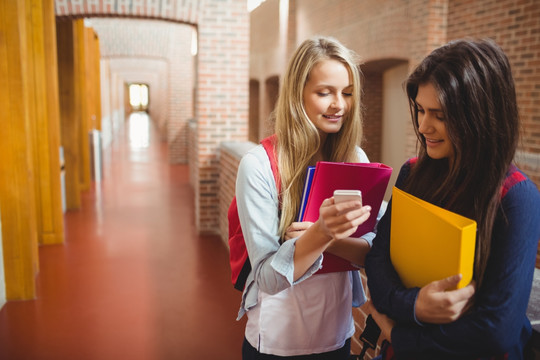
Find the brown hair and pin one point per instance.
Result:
(476, 91)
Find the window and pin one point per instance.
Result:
(138, 97)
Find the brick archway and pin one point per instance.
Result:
(219, 99)
(186, 11)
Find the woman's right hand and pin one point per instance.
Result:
(336, 222)
(341, 220)
(436, 305)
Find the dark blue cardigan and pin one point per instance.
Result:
(497, 323)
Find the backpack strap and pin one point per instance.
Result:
(269, 145)
(238, 256)
(412, 161)
(514, 177)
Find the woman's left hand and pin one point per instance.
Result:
(436, 303)
(296, 229)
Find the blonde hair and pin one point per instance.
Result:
(297, 137)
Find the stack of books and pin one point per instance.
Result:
(326, 177)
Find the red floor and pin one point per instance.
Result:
(133, 279)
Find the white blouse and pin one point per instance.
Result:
(286, 317)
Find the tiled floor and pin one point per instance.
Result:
(133, 279)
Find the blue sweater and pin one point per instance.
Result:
(497, 323)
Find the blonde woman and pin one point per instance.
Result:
(293, 312)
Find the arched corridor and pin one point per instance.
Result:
(133, 279)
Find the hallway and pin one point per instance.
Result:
(133, 279)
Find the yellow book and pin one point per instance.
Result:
(428, 242)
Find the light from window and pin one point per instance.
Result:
(138, 96)
(252, 4)
(194, 43)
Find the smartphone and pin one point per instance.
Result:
(347, 195)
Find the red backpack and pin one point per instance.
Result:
(238, 256)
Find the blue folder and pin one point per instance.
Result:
(305, 193)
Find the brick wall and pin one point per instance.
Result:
(228, 162)
(253, 126)
(372, 102)
(515, 26)
(181, 84)
(192, 153)
(230, 154)
(267, 59)
(222, 101)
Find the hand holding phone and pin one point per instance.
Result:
(347, 195)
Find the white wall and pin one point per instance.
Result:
(395, 120)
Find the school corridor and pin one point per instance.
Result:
(115, 269)
(133, 279)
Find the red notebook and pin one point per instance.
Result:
(370, 178)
